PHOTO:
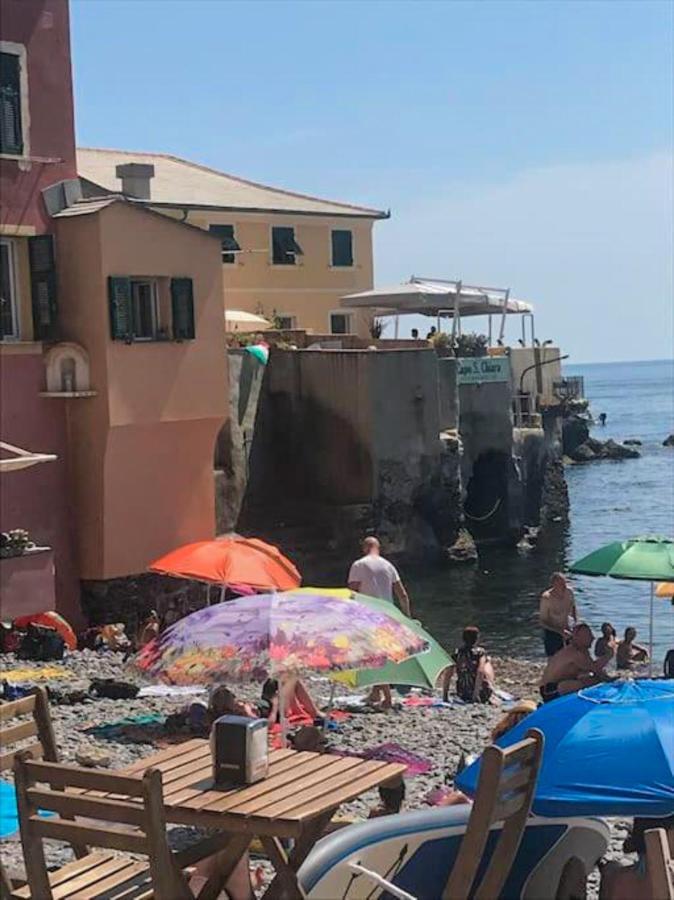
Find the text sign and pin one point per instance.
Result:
(477, 369)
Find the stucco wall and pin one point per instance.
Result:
(143, 447)
(309, 290)
(42, 27)
(37, 498)
(540, 379)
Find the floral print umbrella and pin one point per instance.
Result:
(273, 635)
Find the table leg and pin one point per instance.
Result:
(285, 885)
(227, 861)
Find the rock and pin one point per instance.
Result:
(463, 550)
(92, 758)
(613, 450)
(632, 442)
(583, 453)
(593, 449)
(575, 431)
(668, 441)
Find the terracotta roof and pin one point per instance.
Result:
(179, 182)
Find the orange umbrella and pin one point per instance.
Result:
(53, 620)
(231, 560)
(665, 589)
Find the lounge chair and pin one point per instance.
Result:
(115, 821)
(659, 864)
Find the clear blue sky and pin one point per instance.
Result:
(519, 144)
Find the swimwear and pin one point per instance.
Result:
(552, 641)
(550, 691)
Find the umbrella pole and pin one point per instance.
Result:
(330, 704)
(282, 713)
(650, 641)
(222, 593)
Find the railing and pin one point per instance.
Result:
(571, 388)
(525, 414)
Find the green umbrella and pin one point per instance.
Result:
(420, 671)
(647, 558)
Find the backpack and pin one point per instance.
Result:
(41, 644)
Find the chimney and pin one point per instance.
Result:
(135, 179)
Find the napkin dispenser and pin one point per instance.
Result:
(239, 747)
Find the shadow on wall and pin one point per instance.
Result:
(486, 504)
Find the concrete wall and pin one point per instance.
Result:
(540, 379)
(310, 289)
(143, 447)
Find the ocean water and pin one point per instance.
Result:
(609, 501)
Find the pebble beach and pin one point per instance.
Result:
(440, 735)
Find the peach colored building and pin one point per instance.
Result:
(283, 254)
(144, 305)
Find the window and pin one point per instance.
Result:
(144, 315)
(342, 248)
(230, 245)
(11, 130)
(340, 323)
(9, 326)
(139, 308)
(284, 246)
(285, 322)
(43, 287)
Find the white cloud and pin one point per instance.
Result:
(589, 244)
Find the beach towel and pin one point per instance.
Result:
(171, 691)
(36, 674)
(9, 815)
(394, 753)
(136, 726)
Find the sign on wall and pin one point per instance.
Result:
(477, 369)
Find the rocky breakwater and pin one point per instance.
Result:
(593, 449)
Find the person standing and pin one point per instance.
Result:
(557, 613)
(377, 577)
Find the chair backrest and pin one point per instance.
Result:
(504, 794)
(107, 801)
(659, 864)
(40, 728)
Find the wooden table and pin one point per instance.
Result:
(296, 800)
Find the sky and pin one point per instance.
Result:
(517, 144)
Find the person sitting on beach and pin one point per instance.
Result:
(572, 667)
(621, 882)
(298, 705)
(222, 702)
(557, 613)
(473, 669)
(606, 645)
(148, 630)
(629, 653)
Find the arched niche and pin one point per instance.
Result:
(67, 367)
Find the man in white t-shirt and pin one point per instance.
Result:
(377, 577)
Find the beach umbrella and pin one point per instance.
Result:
(232, 560)
(275, 635)
(609, 751)
(422, 670)
(240, 320)
(665, 589)
(647, 558)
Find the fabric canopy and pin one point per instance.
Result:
(429, 297)
(240, 320)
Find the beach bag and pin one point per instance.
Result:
(113, 689)
(41, 644)
(10, 639)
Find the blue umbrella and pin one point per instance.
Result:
(609, 751)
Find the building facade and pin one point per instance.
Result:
(286, 256)
(112, 354)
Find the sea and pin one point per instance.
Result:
(609, 501)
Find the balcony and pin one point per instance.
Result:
(27, 583)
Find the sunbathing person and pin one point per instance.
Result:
(572, 667)
(629, 653)
(298, 705)
(473, 669)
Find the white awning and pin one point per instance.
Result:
(240, 320)
(21, 459)
(432, 298)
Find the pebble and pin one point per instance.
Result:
(440, 735)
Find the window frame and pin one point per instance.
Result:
(226, 253)
(291, 317)
(154, 309)
(14, 303)
(13, 49)
(347, 315)
(293, 254)
(352, 264)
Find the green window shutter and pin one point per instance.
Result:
(182, 308)
(342, 248)
(228, 242)
(119, 299)
(285, 248)
(11, 134)
(43, 286)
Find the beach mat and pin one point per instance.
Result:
(9, 814)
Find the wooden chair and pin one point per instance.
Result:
(36, 705)
(504, 794)
(129, 826)
(659, 864)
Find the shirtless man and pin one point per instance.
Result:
(557, 613)
(628, 652)
(572, 667)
